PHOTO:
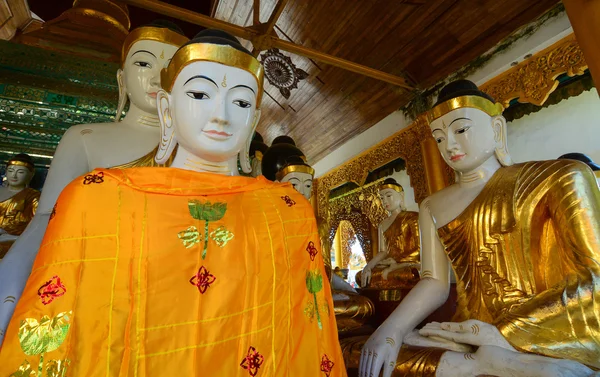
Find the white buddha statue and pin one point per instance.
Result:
(398, 243)
(524, 243)
(18, 203)
(187, 270)
(85, 147)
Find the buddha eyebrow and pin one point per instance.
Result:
(244, 86)
(144, 51)
(437, 129)
(456, 120)
(201, 77)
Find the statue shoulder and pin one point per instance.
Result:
(31, 193)
(533, 174)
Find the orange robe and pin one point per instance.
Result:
(167, 272)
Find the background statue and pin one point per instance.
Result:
(398, 242)
(137, 256)
(524, 243)
(18, 203)
(258, 148)
(89, 146)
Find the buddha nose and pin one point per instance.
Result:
(451, 141)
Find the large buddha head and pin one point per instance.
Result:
(209, 104)
(19, 171)
(391, 194)
(468, 126)
(145, 53)
(284, 162)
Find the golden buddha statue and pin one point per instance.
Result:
(524, 243)
(284, 162)
(586, 160)
(18, 202)
(397, 262)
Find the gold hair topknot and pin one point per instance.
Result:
(151, 33)
(476, 102)
(294, 169)
(223, 54)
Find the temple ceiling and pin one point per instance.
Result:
(319, 105)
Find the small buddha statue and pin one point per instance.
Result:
(18, 202)
(257, 150)
(88, 146)
(586, 160)
(398, 243)
(524, 243)
(283, 162)
(187, 270)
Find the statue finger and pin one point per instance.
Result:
(389, 366)
(433, 325)
(455, 326)
(368, 366)
(448, 335)
(377, 364)
(364, 357)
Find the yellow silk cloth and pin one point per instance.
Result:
(120, 287)
(15, 214)
(526, 256)
(402, 238)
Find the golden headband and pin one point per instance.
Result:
(294, 169)
(223, 54)
(151, 33)
(20, 163)
(392, 186)
(476, 102)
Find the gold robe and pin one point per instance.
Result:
(15, 214)
(526, 256)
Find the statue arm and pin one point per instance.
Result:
(69, 162)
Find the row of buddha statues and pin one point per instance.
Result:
(176, 242)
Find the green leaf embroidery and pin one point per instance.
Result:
(208, 212)
(314, 284)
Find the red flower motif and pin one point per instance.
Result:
(312, 250)
(289, 201)
(326, 365)
(252, 361)
(52, 289)
(203, 279)
(93, 178)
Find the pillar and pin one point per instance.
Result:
(585, 20)
(434, 166)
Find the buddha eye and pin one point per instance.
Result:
(462, 130)
(197, 95)
(241, 103)
(143, 64)
(439, 139)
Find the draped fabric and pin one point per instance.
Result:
(15, 214)
(526, 256)
(167, 272)
(402, 238)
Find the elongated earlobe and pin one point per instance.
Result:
(500, 136)
(244, 154)
(168, 140)
(122, 95)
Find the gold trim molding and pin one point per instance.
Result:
(534, 79)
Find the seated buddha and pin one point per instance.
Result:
(524, 243)
(397, 263)
(102, 145)
(18, 202)
(187, 270)
(283, 162)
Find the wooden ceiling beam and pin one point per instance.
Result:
(256, 13)
(252, 34)
(266, 29)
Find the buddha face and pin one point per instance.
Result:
(391, 199)
(467, 137)
(18, 176)
(141, 72)
(302, 182)
(213, 108)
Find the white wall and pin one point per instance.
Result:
(573, 125)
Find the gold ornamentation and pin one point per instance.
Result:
(47, 335)
(162, 54)
(390, 295)
(469, 356)
(224, 82)
(534, 79)
(475, 329)
(189, 237)
(150, 33)
(21, 163)
(222, 54)
(221, 236)
(392, 186)
(483, 104)
(294, 169)
(390, 341)
(24, 371)
(57, 368)
(427, 274)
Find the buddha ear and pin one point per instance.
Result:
(168, 140)
(500, 137)
(122, 95)
(244, 154)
